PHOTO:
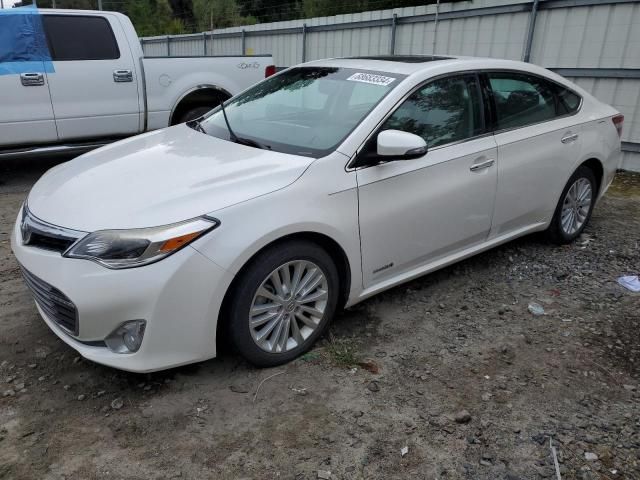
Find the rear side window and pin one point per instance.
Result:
(568, 102)
(443, 111)
(522, 99)
(80, 38)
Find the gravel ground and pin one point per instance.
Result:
(449, 376)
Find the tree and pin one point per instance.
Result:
(211, 14)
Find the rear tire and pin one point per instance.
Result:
(283, 302)
(574, 208)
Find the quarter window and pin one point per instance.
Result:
(568, 102)
(73, 37)
(522, 99)
(444, 111)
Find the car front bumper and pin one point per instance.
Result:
(179, 297)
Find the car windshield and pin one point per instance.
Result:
(304, 110)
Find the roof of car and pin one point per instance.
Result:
(409, 64)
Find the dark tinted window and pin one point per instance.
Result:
(568, 102)
(444, 111)
(80, 38)
(523, 99)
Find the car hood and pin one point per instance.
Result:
(158, 178)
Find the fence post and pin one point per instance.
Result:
(244, 38)
(532, 26)
(304, 42)
(394, 22)
(204, 43)
(168, 45)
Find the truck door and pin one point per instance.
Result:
(94, 89)
(26, 116)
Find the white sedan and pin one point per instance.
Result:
(311, 191)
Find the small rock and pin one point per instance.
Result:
(404, 451)
(590, 456)
(373, 386)
(630, 388)
(462, 416)
(77, 359)
(536, 309)
(33, 365)
(81, 397)
(101, 393)
(19, 386)
(324, 474)
(8, 393)
(117, 404)
(67, 387)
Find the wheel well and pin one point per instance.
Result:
(332, 247)
(596, 167)
(202, 97)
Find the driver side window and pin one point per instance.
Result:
(444, 111)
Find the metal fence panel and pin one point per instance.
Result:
(603, 36)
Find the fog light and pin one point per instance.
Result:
(127, 338)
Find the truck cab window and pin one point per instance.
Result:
(80, 38)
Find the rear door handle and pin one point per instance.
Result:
(122, 76)
(481, 165)
(569, 138)
(32, 79)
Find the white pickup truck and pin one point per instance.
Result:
(79, 79)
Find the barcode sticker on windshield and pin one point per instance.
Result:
(371, 78)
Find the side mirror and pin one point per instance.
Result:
(398, 145)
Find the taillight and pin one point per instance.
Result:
(618, 121)
(269, 70)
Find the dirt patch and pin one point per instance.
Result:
(394, 373)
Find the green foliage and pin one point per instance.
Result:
(212, 14)
(152, 17)
(169, 17)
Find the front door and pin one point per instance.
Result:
(414, 212)
(94, 89)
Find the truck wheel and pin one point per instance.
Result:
(194, 113)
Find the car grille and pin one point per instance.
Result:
(55, 304)
(40, 234)
(47, 242)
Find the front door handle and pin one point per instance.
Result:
(122, 76)
(32, 79)
(569, 138)
(481, 165)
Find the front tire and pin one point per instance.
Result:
(574, 208)
(283, 302)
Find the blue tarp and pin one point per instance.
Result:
(23, 45)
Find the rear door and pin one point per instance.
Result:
(26, 115)
(94, 90)
(538, 143)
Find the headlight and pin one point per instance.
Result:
(141, 246)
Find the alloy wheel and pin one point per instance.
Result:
(288, 306)
(576, 206)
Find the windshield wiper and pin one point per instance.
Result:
(236, 139)
(196, 125)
